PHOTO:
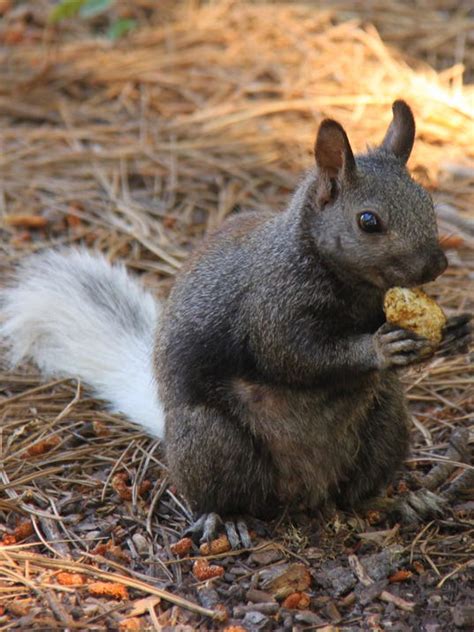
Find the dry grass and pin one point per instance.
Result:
(137, 149)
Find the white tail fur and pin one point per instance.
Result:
(75, 315)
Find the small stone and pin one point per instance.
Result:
(308, 617)
(208, 597)
(255, 621)
(264, 608)
(338, 578)
(266, 556)
(332, 612)
(141, 543)
(259, 596)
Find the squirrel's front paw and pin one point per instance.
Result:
(457, 334)
(395, 346)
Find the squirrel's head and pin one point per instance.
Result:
(367, 215)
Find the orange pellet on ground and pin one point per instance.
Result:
(182, 547)
(202, 570)
(418, 566)
(220, 545)
(120, 483)
(70, 579)
(132, 624)
(26, 221)
(43, 446)
(23, 530)
(108, 589)
(400, 576)
(373, 517)
(296, 600)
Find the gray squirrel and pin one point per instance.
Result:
(270, 370)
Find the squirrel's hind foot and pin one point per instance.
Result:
(412, 507)
(436, 491)
(206, 527)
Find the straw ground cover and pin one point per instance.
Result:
(137, 148)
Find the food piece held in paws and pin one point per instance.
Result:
(414, 310)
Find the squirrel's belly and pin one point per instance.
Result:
(313, 435)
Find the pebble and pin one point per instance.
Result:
(308, 617)
(141, 543)
(255, 621)
(263, 608)
(259, 596)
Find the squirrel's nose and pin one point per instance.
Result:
(436, 265)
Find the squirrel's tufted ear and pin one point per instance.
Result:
(334, 158)
(400, 135)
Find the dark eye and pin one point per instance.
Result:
(369, 222)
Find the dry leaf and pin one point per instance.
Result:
(141, 606)
(287, 579)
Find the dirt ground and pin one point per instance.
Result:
(137, 146)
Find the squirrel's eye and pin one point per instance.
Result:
(369, 222)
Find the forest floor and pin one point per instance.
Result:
(137, 146)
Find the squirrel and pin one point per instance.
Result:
(270, 370)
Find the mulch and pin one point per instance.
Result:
(137, 148)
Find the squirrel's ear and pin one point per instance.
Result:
(334, 158)
(400, 135)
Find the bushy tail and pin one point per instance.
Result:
(75, 315)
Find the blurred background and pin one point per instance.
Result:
(136, 126)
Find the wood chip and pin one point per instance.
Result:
(284, 580)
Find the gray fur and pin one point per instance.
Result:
(275, 367)
(274, 364)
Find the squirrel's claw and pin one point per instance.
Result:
(415, 506)
(456, 334)
(206, 527)
(411, 508)
(238, 534)
(396, 347)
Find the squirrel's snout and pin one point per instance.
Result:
(436, 265)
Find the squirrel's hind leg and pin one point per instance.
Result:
(220, 468)
(383, 446)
